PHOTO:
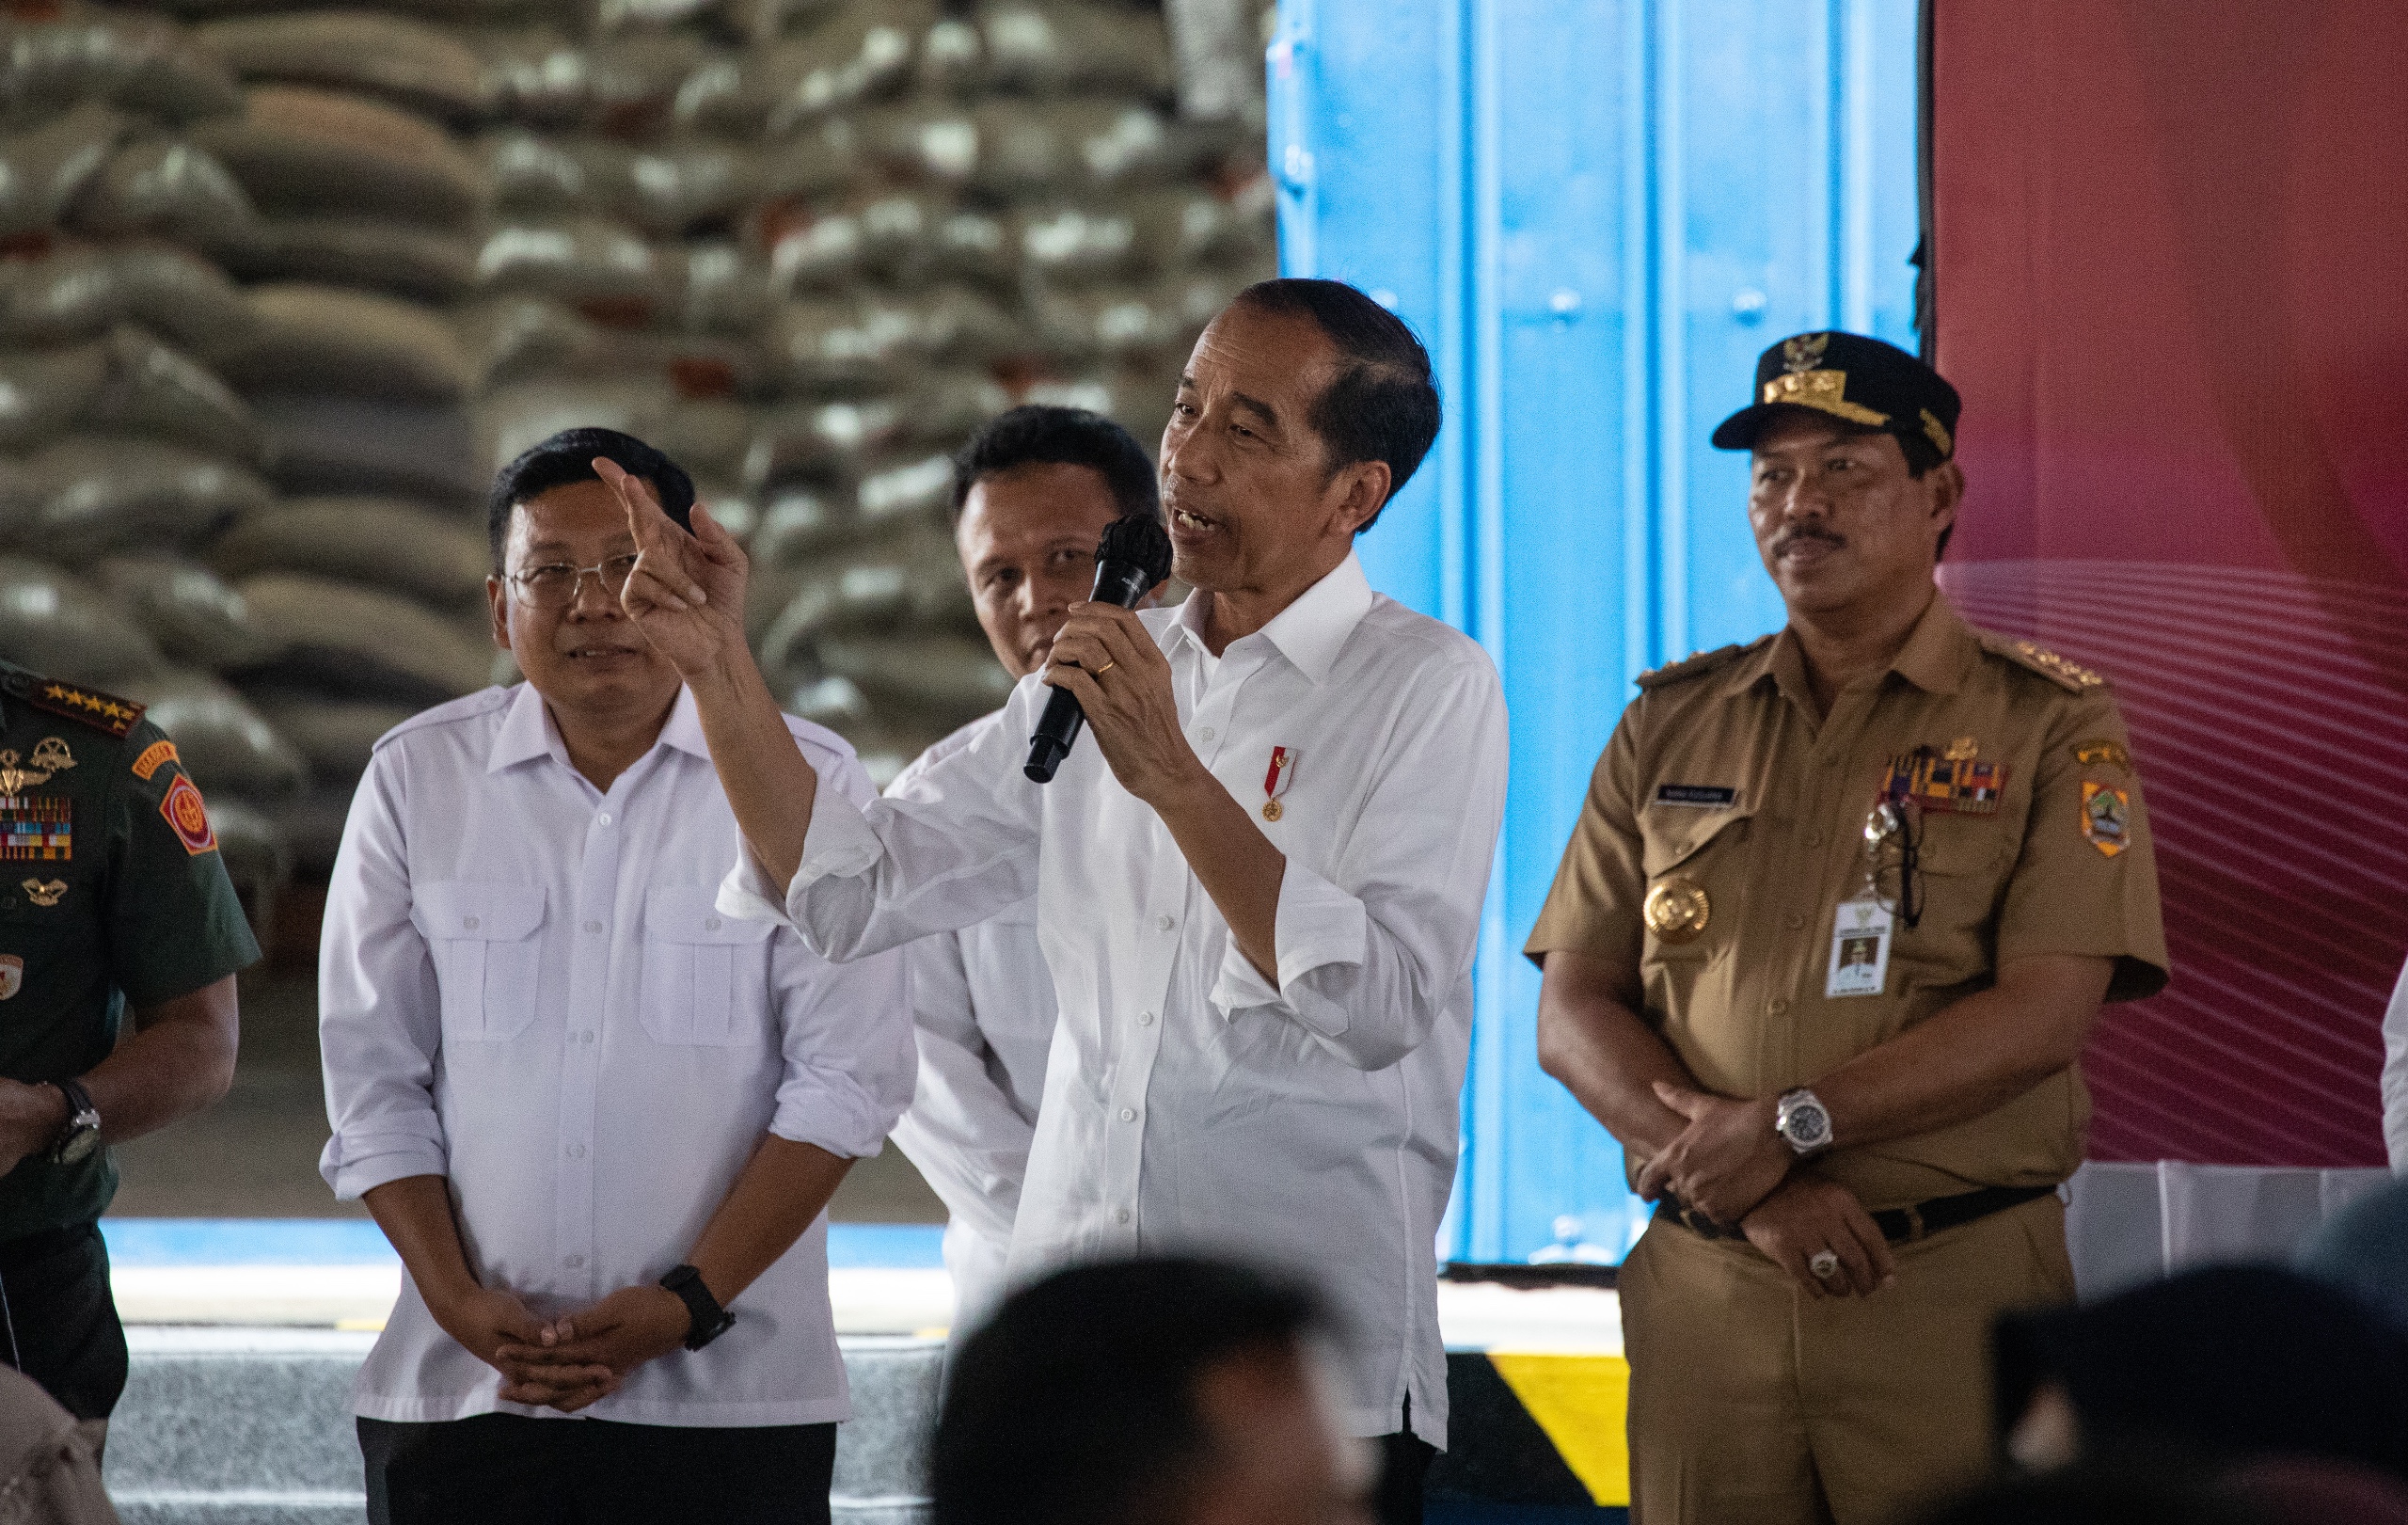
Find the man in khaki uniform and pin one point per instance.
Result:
(1822, 954)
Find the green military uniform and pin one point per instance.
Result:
(111, 894)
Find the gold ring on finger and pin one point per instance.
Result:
(1106, 668)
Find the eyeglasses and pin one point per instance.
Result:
(554, 584)
(1894, 836)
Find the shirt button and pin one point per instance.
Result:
(1794, 920)
(1163, 923)
(1121, 1216)
(1128, 1113)
(1145, 1019)
(469, 922)
(605, 818)
(577, 1152)
(1814, 839)
(592, 925)
(585, 1038)
(572, 1262)
(710, 924)
(1779, 1005)
(1206, 733)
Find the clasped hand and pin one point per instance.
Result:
(570, 1362)
(1726, 1160)
(1107, 658)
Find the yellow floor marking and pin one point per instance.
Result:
(1581, 1402)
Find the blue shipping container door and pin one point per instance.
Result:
(1596, 214)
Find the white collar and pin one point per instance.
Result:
(1311, 630)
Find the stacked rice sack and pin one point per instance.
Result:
(279, 290)
(809, 247)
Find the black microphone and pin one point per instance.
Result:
(1132, 557)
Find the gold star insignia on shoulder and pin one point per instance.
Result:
(106, 711)
(2038, 659)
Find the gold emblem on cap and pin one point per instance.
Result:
(1804, 352)
(1824, 390)
(1677, 910)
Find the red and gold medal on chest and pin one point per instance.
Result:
(1275, 782)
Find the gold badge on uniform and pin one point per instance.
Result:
(1677, 910)
(44, 895)
(1275, 782)
(154, 757)
(2103, 750)
(12, 975)
(2106, 817)
(16, 778)
(51, 755)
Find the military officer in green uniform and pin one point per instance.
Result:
(112, 899)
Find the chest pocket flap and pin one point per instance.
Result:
(685, 913)
(1671, 836)
(706, 979)
(486, 958)
(480, 912)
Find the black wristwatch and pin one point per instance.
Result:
(707, 1319)
(82, 1135)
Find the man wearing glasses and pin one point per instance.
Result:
(1822, 954)
(599, 1121)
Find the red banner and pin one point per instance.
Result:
(2170, 266)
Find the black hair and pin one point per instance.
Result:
(1383, 405)
(1037, 433)
(1076, 1403)
(568, 456)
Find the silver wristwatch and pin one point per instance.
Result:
(81, 1134)
(1802, 1122)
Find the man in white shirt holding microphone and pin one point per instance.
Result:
(1258, 887)
(1031, 495)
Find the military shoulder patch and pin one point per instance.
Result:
(103, 711)
(2071, 677)
(154, 757)
(2102, 752)
(188, 817)
(1695, 663)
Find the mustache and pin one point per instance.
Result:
(1805, 532)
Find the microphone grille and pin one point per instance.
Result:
(1138, 540)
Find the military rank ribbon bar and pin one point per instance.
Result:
(1275, 782)
(37, 827)
(1963, 785)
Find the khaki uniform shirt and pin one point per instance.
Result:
(1720, 777)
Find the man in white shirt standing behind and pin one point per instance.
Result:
(1258, 886)
(1032, 492)
(599, 1121)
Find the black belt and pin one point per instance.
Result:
(1899, 1224)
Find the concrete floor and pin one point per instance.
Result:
(254, 1154)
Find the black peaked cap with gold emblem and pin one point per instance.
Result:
(1851, 377)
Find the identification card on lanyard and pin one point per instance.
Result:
(1860, 948)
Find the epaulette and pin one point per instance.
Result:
(1696, 663)
(102, 712)
(2071, 677)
